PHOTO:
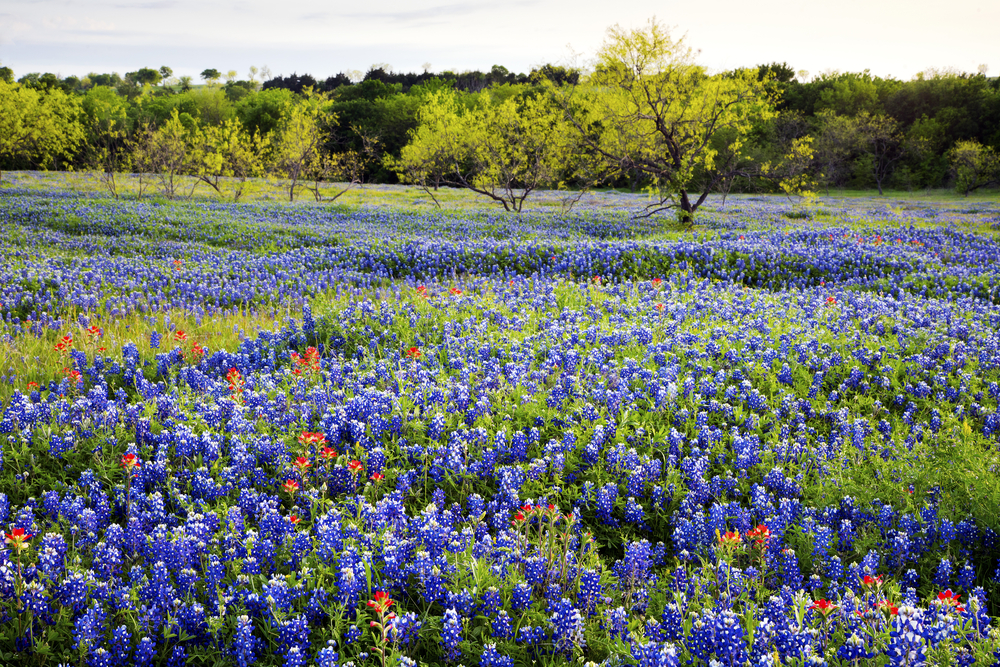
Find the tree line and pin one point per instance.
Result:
(644, 116)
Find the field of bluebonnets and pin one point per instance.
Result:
(263, 434)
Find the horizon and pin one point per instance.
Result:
(70, 38)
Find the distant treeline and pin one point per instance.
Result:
(99, 121)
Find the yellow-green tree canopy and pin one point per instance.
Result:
(504, 149)
(298, 140)
(40, 127)
(973, 166)
(228, 155)
(649, 107)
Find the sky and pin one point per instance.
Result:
(324, 37)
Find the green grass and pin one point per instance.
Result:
(413, 197)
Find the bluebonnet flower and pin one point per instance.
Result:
(567, 628)
(492, 658)
(245, 644)
(451, 635)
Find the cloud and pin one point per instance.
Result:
(155, 4)
(434, 14)
(74, 25)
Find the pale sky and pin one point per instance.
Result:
(322, 38)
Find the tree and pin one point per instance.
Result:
(837, 141)
(210, 76)
(557, 74)
(211, 104)
(166, 153)
(166, 72)
(111, 80)
(228, 154)
(237, 90)
(883, 142)
(295, 82)
(973, 166)
(503, 150)
(144, 76)
(106, 118)
(519, 145)
(346, 167)
(650, 108)
(299, 139)
(370, 110)
(262, 112)
(437, 147)
(38, 127)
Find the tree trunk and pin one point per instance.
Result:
(685, 215)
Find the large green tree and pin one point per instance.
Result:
(650, 108)
(974, 166)
(504, 150)
(225, 156)
(107, 125)
(39, 127)
(297, 145)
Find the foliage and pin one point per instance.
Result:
(165, 152)
(649, 107)
(297, 146)
(974, 166)
(867, 131)
(40, 128)
(229, 155)
(503, 149)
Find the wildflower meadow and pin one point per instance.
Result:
(295, 435)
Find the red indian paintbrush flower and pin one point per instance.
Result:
(888, 607)
(328, 454)
(381, 603)
(949, 599)
(355, 467)
(312, 438)
(291, 486)
(824, 606)
(414, 353)
(18, 539)
(302, 463)
(730, 539)
(761, 534)
(129, 462)
(235, 380)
